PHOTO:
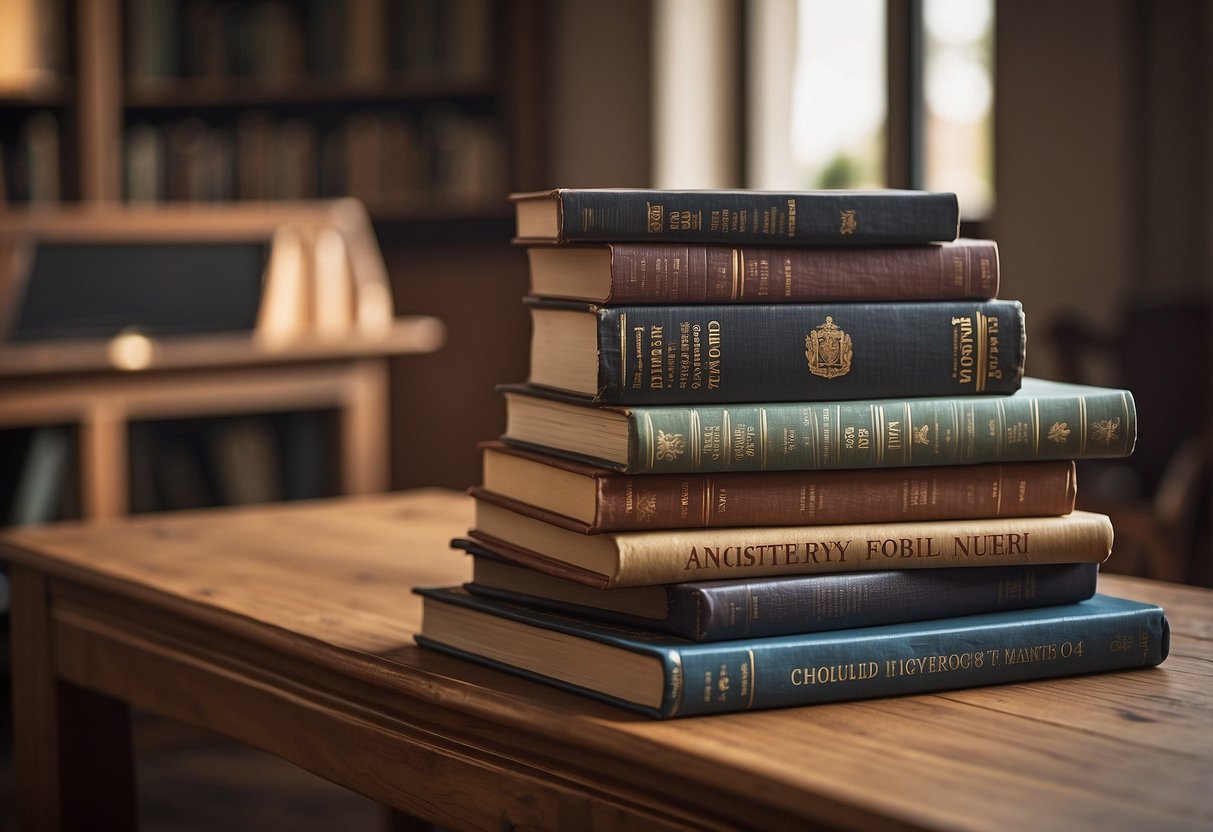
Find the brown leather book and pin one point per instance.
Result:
(594, 499)
(621, 273)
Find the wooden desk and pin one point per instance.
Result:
(289, 628)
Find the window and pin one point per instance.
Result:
(870, 94)
(958, 102)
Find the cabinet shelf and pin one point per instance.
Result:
(49, 96)
(172, 100)
(146, 98)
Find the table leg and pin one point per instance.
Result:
(71, 746)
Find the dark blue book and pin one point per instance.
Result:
(645, 355)
(732, 609)
(664, 676)
(792, 218)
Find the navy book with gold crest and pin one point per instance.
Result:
(776, 352)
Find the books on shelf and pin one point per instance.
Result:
(662, 556)
(603, 500)
(722, 610)
(851, 218)
(623, 273)
(778, 449)
(386, 159)
(1042, 420)
(663, 676)
(776, 352)
(363, 42)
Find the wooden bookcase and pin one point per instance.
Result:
(423, 109)
(432, 109)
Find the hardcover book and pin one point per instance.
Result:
(635, 273)
(602, 500)
(1043, 420)
(776, 352)
(667, 556)
(663, 676)
(721, 610)
(837, 218)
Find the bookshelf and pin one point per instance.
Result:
(419, 108)
(431, 120)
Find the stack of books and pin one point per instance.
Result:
(778, 449)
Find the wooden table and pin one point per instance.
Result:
(290, 628)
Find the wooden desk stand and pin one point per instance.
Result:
(212, 376)
(290, 628)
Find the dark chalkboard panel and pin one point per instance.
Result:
(97, 290)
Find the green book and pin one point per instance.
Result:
(1041, 420)
(664, 676)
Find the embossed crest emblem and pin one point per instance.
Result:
(1059, 433)
(922, 435)
(670, 446)
(847, 222)
(827, 349)
(1104, 431)
(646, 506)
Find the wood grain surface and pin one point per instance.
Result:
(290, 628)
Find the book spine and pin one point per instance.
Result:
(860, 664)
(791, 498)
(808, 352)
(657, 273)
(650, 558)
(822, 218)
(751, 609)
(880, 434)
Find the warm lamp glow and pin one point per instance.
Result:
(131, 351)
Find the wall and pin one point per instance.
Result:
(1102, 146)
(599, 95)
(1062, 143)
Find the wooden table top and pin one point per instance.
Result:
(330, 581)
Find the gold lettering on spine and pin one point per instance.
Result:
(623, 348)
(750, 653)
(675, 681)
(709, 501)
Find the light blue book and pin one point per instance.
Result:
(664, 676)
